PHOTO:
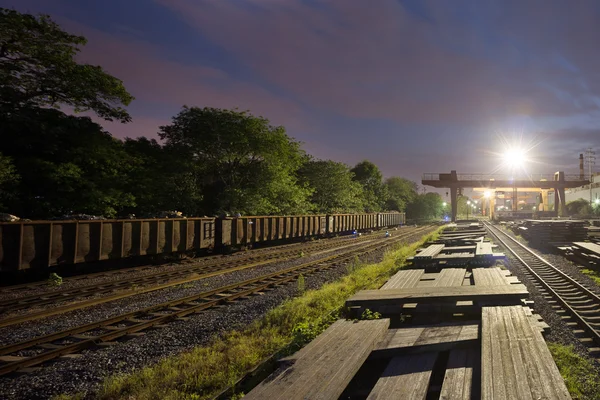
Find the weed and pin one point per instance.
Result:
(579, 373)
(301, 284)
(301, 254)
(55, 280)
(595, 275)
(368, 314)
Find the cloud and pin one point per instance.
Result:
(170, 85)
(378, 61)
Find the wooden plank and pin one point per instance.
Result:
(504, 293)
(323, 368)
(405, 377)
(489, 277)
(447, 277)
(515, 361)
(484, 249)
(427, 338)
(404, 279)
(430, 252)
(458, 379)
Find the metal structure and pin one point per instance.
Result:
(41, 244)
(557, 182)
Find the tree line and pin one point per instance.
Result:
(209, 161)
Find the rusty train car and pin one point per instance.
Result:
(37, 245)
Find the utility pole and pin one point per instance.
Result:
(590, 159)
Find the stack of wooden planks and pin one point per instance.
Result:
(585, 253)
(544, 232)
(499, 353)
(443, 255)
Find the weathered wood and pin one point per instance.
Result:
(430, 252)
(484, 249)
(502, 294)
(489, 277)
(458, 380)
(405, 377)
(447, 277)
(323, 368)
(515, 361)
(404, 279)
(427, 338)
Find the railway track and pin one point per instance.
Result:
(127, 271)
(29, 353)
(574, 302)
(127, 287)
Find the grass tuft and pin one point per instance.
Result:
(580, 375)
(595, 275)
(206, 371)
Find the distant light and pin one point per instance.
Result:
(514, 158)
(597, 201)
(487, 194)
(444, 204)
(468, 202)
(475, 201)
(534, 208)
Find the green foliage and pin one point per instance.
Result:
(368, 314)
(54, 279)
(333, 190)
(301, 284)
(246, 164)
(66, 164)
(580, 375)
(8, 179)
(374, 191)
(401, 192)
(579, 207)
(38, 69)
(595, 275)
(426, 206)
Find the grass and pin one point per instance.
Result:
(580, 375)
(595, 275)
(207, 370)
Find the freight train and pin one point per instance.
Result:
(36, 245)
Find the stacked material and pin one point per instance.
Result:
(584, 253)
(542, 233)
(440, 356)
(458, 245)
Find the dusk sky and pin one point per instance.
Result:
(414, 86)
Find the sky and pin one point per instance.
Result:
(416, 86)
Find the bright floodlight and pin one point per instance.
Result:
(597, 201)
(514, 158)
(487, 194)
(468, 201)
(444, 204)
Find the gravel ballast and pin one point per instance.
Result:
(85, 372)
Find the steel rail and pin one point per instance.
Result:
(204, 269)
(162, 313)
(551, 287)
(205, 259)
(219, 270)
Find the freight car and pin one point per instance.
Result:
(37, 245)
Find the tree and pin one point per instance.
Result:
(247, 165)
(38, 69)
(8, 179)
(66, 164)
(401, 192)
(370, 177)
(579, 207)
(334, 191)
(425, 206)
(162, 180)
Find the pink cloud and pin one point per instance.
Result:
(151, 78)
(373, 61)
